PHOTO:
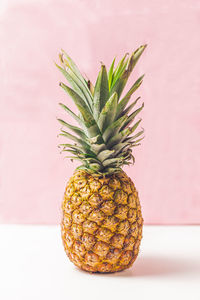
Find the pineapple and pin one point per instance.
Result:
(102, 221)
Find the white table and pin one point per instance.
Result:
(33, 266)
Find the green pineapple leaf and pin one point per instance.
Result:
(77, 86)
(72, 158)
(119, 69)
(75, 139)
(97, 148)
(135, 126)
(122, 104)
(107, 114)
(121, 82)
(137, 141)
(105, 154)
(72, 114)
(119, 148)
(72, 146)
(76, 153)
(95, 167)
(101, 92)
(118, 138)
(132, 140)
(97, 144)
(132, 117)
(89, 120)
(114, 128)
(110, 170)
(110, 73)
(75, 129)
(137, 134)
(111, 161)
(129, 108)
(73, 67)
(80, 149)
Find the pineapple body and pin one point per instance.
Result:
(102, 222)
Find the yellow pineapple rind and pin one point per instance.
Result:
(102, 222)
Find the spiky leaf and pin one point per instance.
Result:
(110, 73)
(75, 139)
(119, 69)
(129, 108)
(105, 154)
(101, 92)
(114, 128)
(108, 113)
(121, 82)
(89, 120)
(75, 129)
(122, 104)
(132, 117)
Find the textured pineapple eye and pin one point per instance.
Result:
(120, 197)
(140, 220)
(104, 267)
(117, 240)
(104, 234)
(85, 192)
(134, 230)
(114, 184)
(129, 243)
(132, 215)
(88, 240)
(95, 200)
(94, 185)
(69, 191)
(79, 248)
(91, 259)
(96, 216)
(108, 207)
(89, 226)
(78, 217)
(121, 212)
(136, 247)
(68, 239)
(113, 255)
(67, 221)
(125, 257)
(111, 223)
(106, 192)
(101, 248)
(76, 200)
(79, 184)
(123, 227)
(127, 188)
(131, 201)
(76, 230)
(68, 207)
(85, 208)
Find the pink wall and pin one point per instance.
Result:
(167, 170)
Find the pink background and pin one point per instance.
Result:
(167, 170)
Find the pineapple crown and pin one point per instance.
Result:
(104, 140)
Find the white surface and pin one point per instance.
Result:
(33, 265)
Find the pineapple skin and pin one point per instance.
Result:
(102, 222)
